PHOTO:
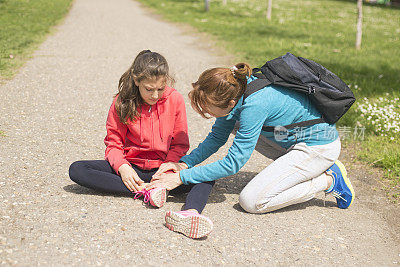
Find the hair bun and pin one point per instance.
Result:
(241, 71)
(144, 52)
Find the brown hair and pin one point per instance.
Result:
(218, 86)
(147, 65)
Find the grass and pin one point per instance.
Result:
(322, 30)
(378, 152)
(24, 25)
(384, 153)
(2, 134)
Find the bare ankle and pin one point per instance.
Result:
(329, 181)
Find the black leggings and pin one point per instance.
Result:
(100, 176)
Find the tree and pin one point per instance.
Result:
(269, 10)
(359, 24)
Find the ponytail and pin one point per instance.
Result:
(240, 72)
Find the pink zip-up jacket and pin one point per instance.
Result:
(159, 135)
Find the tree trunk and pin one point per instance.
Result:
(269, 10)
(359, 24)
(224, 2)
(206, 5)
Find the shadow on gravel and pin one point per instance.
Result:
(313, 202)
(234, 184)
(230, 185)
(79, 190)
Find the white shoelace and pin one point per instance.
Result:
(338, 195)
(335, 194)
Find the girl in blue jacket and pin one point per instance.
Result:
(305, 158)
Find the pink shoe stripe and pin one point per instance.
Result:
(197, 226)
(191, 228)
(196, 230)
(194, 226)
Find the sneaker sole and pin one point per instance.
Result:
(158, 198)
(196, 226)
(346, 180)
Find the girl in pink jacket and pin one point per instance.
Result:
(146, 126)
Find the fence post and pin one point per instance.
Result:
(359, 24)
(269, 10)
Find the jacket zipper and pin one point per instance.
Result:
(152, 130)
(151, 138)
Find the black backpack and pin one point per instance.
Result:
(331, 96)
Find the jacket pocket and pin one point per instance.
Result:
(131, 152)
(167, 128)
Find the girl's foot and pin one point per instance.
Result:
(156, 196)
(341, 189)
(189, 223)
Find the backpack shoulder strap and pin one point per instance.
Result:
(257, 84)
(294, 125)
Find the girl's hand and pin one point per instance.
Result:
(130, 178)
(170, 166)
(166, 180)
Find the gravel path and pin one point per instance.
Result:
(53, 113)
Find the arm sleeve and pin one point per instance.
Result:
(252, 118)
(218, 136)
(115, 139)
(180, 139)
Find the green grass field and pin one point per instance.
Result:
(322, 30)
(24, 24)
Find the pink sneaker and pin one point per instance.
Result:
(189, 223)
(156, 196)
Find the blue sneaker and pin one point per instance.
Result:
(342, 189)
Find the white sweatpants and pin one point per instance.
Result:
(295, 176)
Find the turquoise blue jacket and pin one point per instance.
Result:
(270, 106)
